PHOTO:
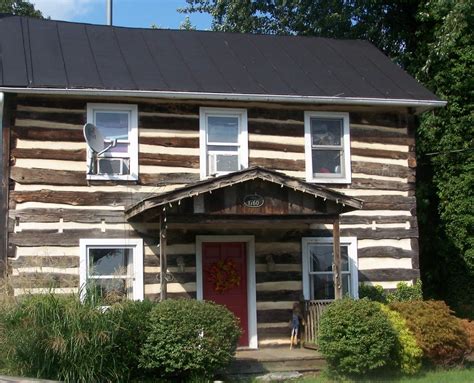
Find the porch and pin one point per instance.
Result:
(254, 221)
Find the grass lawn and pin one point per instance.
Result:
(461, 375)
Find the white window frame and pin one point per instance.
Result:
(132, 110)
(350, 242)
(345, 177)
(243, 151)
(135, 243)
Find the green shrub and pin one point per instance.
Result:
(373, 293)
(440, 335)
(355, 336)
(407, 352)
(55, 337)
(406, 293)
(131, 322)
(189, 337)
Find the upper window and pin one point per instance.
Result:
(327, 146)
(318, 276)
(223, 141)
(112, 268)
(117, 123)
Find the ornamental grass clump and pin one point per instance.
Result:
(58, 337)
(356, 337)
(439, 334)
(189, 338)
(407, 353)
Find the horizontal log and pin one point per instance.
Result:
(63, 261)
(36, 176)
(278, 276)
(378, 219)
(48, 134)
(273, 316)
(269, 128)
(55, 102)
(393, 120)
(278, 163)
(374, 137)
(286, 258)
(367, 183)
(45, 280)
(172, 142)
(168, 123)
(68, 215)
(389, 203)
(387, 170)
(169, 107)
(67, 238)
(78, 198)
(376, 153)
(281, 295)
(279, 147)
(388, 275)
(172, 160)
(385, 251)
(50, 154)
(170, 295)
(154, 260)
(68, 118)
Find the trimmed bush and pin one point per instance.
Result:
(373, 293)
(189, 338)
(469, 328)
(407, 352)
(440, 335)
(406, 293)
(355, 336)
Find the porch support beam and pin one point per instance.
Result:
(337, 259)
(163, 258)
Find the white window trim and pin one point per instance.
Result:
(243, 136)
(133, 138)
(351, 242)
(346, 141)
(251, 277)
(135, 243)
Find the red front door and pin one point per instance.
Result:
(227, 259)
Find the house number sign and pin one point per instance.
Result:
(253, 200)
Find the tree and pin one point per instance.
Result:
(446, 150)
(20, 8)
(187, 25)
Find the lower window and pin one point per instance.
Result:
(318, 277)
(112, 268)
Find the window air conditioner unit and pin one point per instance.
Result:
(110, 165)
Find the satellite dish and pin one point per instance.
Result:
(94, 137)
(96, 142)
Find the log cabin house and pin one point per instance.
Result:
(257, 171)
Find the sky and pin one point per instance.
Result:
(129, 13)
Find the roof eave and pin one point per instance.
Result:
(419, 105)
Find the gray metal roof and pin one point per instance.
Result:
(38, 53)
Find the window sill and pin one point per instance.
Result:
(99, 178)
(341, 181)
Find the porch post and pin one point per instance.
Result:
(337, 259)
(163, 260)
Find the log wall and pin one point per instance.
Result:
(52, 206)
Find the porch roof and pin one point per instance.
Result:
(344, 203)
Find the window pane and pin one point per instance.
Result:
(222, 129)
(223, 163)
(327, 161)
(322, 286)
(112, 124)
(108, 262)
(112, 290)
(346, 281)
(321, 257)
(326, 131)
